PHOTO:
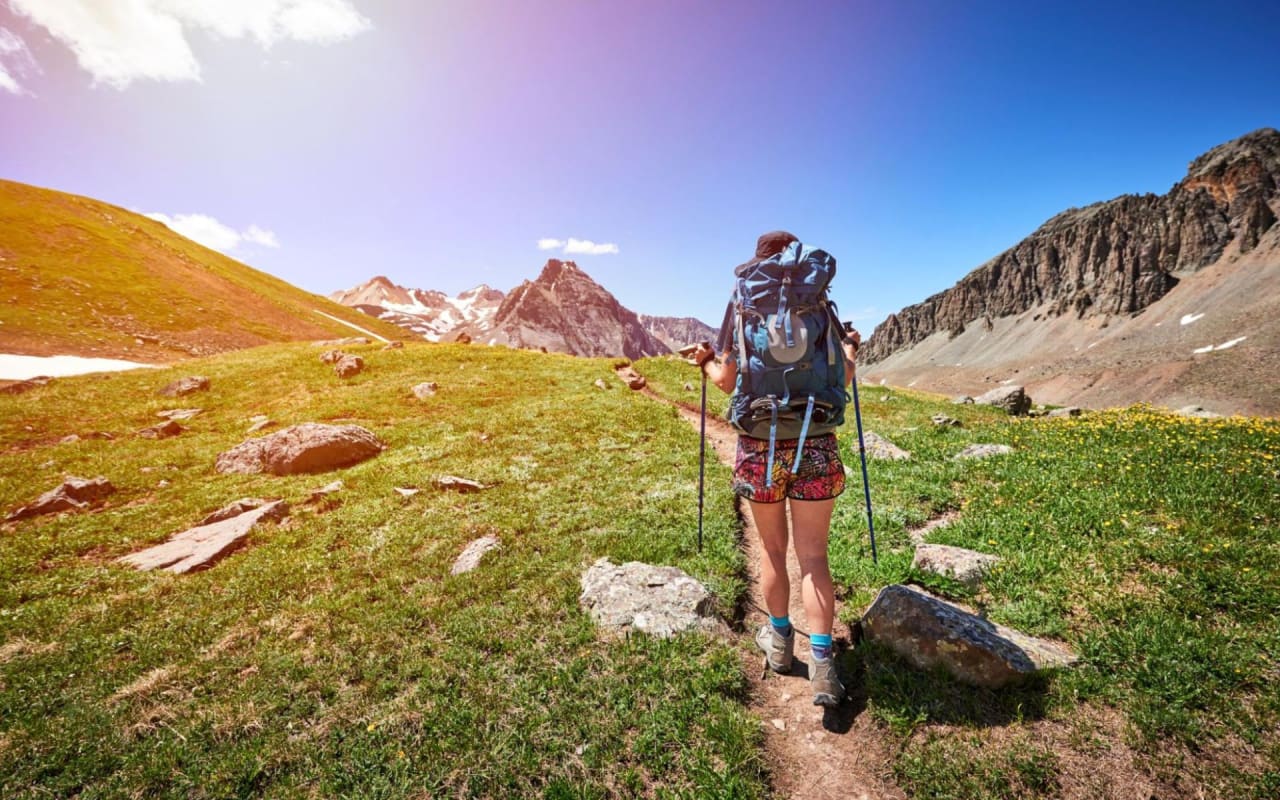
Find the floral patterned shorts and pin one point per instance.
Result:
(820, 477)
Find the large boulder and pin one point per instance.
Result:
(1012, 399)
(74, 494)
(185, 386)
(309, 447)
(966, 566)
(983, 451)
(881, 448)
(348, 365)
(930, 632)
(201, 546)
(661, 601)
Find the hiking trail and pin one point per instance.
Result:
(811, 752)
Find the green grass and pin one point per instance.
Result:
(82, 276)
(1146, 541)
(335, 656)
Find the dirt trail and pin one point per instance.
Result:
(813, 753)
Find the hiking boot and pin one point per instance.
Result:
(827, 689)
(778, 649)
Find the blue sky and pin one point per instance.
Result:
(326, 141)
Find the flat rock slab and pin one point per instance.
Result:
(942, 420)
(660, 601)
(1012, 399)
(1069, 411)
(470, 557)
(983, 451)
(426, 389)
(332, 356)
(234, 509)
(185, 386)
(881, 448)
(456, 484)
(309, 447)
(203, 545)
(179, 413)
(966, 566)
(930, 632)
(74, 494)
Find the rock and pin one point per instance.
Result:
(457, 484)
(1012, 399)
(983, 451)
(326, 490)
(142, 338)
(261, 424)
(942, 420)
(162, 431)
(928, 631)
(74, 494)
(633, 379)
(234, 509)
(424, 390)
(99, 435)
(600, 384)
(1069, 411)
(186, 386)
(201, 546)
(462, 338)
(348, 366)
(661, 601)
(778, 723)
(470, 557)
(331, 356)
(21, 387)
(309, 447)
(880, 447)
(1198, 412)
(406, 491)
(966, 566)
(179, 413)
(688, 387)
(962, 400)
(70, 438)
(393, 346)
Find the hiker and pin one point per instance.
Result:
(766, 471)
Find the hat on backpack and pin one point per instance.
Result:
(774, 242)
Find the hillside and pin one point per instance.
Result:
(1128, 300)
(83, 277)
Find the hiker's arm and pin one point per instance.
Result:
(852, 341)
(723, 371)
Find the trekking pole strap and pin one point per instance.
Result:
(804, 432)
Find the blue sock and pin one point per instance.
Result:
(781, 624)
(820, 643)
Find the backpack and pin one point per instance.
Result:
(786, 334)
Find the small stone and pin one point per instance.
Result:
(185, 386)
(260, 425)
(786, 697)
(942, 420)
(470, 557)
(69, 439)
(424, 390)
(1012, 399)
(393, 346)
(327, 489)
(779, 724)
(966, 566)
(962, 400)
(233, 509)
(332, 356)
(462, 338)
(454, 483)
(660, 601)
(688, 387)
(161, 431)
(407, 491)
(179, 413)
(163, 483)
(1069, 411)
(983, 451)
(600, 384)
(74, 494)
(881, 448)
(348, 366)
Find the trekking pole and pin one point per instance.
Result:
(702, 453)
(866, 484)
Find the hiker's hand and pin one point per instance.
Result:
(852, 341)
(702, 354)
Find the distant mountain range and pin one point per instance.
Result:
(83, 277)
(1171, 299)
(563, 310)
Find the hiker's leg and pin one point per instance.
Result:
(771, 522)
(810, 523)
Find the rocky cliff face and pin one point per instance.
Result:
(1111, 258)
(677, 332)
(431, 314)
(565, 311)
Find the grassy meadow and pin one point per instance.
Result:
(1147, 541)
(335, 656)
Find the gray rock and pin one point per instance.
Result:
(332, 356)
(470, 557)
(983, 451)
(1012, 399)
(424, 390)
(661, 601)
(164, 430)
(943, 421)
(962, 400)
(179, 413)
(234, 509)
(930, 632)
(1069, 411)
(881, 448)
(688, 387)
(70, 438)
(186, 386)
(309, 447)
(201, 546)
(260, 425)
(464, 485)
(74, 494)
(1198, 412)
(393, 346)
(348, 365)
(600, 384)
(966, 566)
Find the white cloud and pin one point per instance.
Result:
(15, 60)
(572, 246)
(120, 41)
(204, 229)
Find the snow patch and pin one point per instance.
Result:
(1187, 319)
(20, 368)
(1223, 346)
